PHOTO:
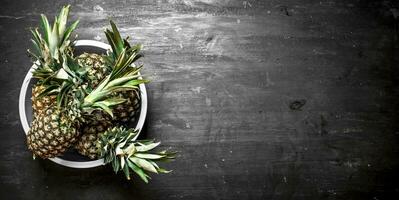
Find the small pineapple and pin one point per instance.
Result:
(51, 134)
(52, 130)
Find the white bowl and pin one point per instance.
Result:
(71, 163)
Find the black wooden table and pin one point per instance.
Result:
(263, 99)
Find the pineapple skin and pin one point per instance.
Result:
(97, 68)
(96, 124)
(39, 105)
(51, 133)
(128, 110)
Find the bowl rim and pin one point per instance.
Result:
(69, 163)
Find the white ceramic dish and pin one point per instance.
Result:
(23, 112)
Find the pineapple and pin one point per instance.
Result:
(97, 70)
(51, 133)
(95, 124)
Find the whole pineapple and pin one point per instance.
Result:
(51, 131)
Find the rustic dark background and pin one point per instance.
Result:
(291, 99)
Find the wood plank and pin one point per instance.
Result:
(224, 74)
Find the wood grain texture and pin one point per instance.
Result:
(227, 77)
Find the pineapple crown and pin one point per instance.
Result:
(56, 69)
(119, 147)
(70, 79)
(118, 44)
(52, 45)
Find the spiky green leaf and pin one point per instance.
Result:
(148, 147)
(149, 156)
(138, 171)
(143, 164)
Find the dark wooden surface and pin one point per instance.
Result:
(263, 99)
